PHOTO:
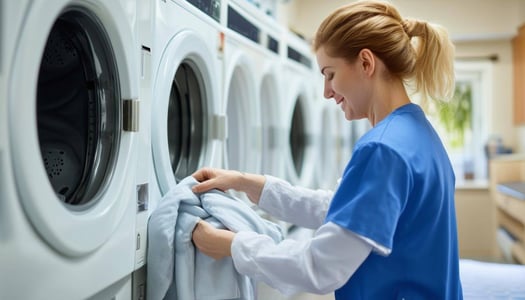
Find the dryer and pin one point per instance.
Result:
(68, 150)
(334, 146)
(187, 128)
(259, 37)
(301, 111)
(327, 168)
(343, 141)
(142, 46)
(240, 94)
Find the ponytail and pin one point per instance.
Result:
(419, 53)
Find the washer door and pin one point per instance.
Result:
(329, 156)
(183, 106)
(244, 138)
(65, 103)
(301, 157)
(273, 137)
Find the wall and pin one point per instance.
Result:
(465, 20)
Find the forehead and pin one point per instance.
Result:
(324, 60)
(322, 55)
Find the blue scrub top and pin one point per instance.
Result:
(398, 191)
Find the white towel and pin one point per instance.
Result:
(176, 270)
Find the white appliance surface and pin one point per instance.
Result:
(187, 129)
(67, 149)
(302, 111)
(240, 96)
(257, 35)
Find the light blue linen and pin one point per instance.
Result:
(175, 269)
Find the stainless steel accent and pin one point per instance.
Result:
(219, 126)
(130, 119)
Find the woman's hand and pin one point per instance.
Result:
(211, 241)
(224, 180)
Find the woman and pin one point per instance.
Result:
(389, 230)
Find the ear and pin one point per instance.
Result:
(367, 61)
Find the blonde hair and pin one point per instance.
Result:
(419, 53)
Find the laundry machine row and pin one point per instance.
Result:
(252, 90)
(106, 105)
(271, 98)
(302, 111)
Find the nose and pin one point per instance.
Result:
(328, 92)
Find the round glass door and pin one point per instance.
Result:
(298, 137)
(78, 114)
(187, 121)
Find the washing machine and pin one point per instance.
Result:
(68, 149)
(334, 146)
(240, 92)
(329, 148)
(344, 143)
(258, 36)
(143, 43)
(187, 127)
(301, 111)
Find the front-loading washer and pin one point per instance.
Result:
(12, 18)
(143, 42)
(240, 95)
(329, 148)
(343, 140)
(259, 37)
(334, 142)
(301, 111)
(187, 128)
(68, 151)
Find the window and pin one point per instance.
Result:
(466, 149)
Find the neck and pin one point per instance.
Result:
(389, 96)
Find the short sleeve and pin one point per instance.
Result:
(372, 194)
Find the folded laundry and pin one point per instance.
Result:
(175, 269)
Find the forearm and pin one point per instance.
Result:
(297, 205)
(318, 265)
(252, 185)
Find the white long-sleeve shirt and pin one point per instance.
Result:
(317, 265)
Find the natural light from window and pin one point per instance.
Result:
(464, 124)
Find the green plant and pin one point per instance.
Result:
(456, 115)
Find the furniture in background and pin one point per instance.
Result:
(476, 221)
(518, 63)
(507, 185)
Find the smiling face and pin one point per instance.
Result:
(347, 83)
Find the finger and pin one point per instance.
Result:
(205, 186)
(199, 229)
(203, 174)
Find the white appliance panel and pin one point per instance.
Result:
(68, 171)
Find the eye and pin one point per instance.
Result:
(329, 76)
